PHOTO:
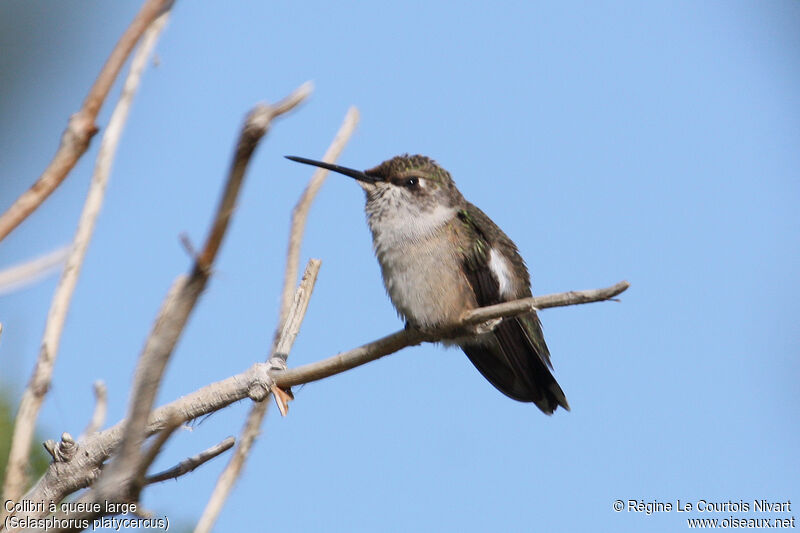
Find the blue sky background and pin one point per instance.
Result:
(655, 142)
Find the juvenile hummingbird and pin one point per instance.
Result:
(441, 256)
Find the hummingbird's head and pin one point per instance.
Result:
(403, 180)
(413, 180)
(408, 196)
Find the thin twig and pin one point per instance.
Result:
(300, 213)
(32, 398)
(172, 317)
(191, 463)
(149, 455)
(255, 418)
(31, 271)
(81, 126)
(181, 300)
(291, 328)
(516, 307)
(256, 126)
(100, 408)
(294, 318)
(58, 482)
(252, 425)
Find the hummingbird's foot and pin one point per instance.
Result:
(282, 397)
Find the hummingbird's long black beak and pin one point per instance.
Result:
(357, 174)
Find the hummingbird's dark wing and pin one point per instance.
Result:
(514, 358)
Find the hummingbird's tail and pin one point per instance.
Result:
(515, 359)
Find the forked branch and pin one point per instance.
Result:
(278, 354)
(39, 383)
(122, 479)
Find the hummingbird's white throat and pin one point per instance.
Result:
(396, 219)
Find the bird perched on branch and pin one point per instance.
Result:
(441, 256)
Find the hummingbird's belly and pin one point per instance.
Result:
(427, 287)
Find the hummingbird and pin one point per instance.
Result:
(441, 256)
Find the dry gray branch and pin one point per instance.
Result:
(94, 502)
(39, 384)
(66, 478)
(61, 481)
(255, 418)
(256, 126)
(23, 274)
(81, 126)
(252, 425)
(297, 311)
(180, 301)
(191, 463)
(300, 213)
(123, 478)
(149, 455)
(410, 337)
(562, 299)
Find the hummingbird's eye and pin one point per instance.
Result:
(411, 183)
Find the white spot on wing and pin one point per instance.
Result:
(502, 273)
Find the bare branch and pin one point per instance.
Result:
(28, 272)
(32, 398)
(294, 318)
(410, 337)
(172, 317)
(58, 482)
(85, 467)
(100, 408)
(300, 213)
(81, 127)
(180, 301)
(252, 426)
(291, 328)
(147, 458)
(178, 305)
(190, 464)
(259, 410)
(562, 299)
(94, 503)
(255, 127)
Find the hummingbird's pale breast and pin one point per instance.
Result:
(427, 286)
(417, 249)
